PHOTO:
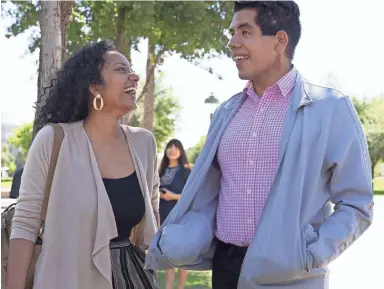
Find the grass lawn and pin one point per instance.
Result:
(6, 184)
(195, 280)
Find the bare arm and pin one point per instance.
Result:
(26, 221)
(20, 252)
(169, 195)
(176, 197)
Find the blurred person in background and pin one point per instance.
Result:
(174, 171)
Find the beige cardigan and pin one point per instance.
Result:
(80, 222)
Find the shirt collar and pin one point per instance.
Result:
(285, 84)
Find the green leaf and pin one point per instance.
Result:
(371, 114)
(21, 138)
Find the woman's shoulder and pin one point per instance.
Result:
(141, 137)
(46, 134)
(186, 168)
(42, 144)
(138, 132)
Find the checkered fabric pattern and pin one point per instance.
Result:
(248, 155)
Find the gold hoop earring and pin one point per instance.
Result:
(95, 106)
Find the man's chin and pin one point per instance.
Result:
(244, 76)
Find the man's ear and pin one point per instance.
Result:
(282, 41)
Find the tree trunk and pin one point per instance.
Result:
(50, 50)
(65, 19)
(126, 118)
(39, 87)
(149, 96)
(120, 41)
(373, 165)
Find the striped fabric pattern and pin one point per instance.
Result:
(128, 268)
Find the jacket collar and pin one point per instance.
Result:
(300, 94)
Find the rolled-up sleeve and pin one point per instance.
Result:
(26, 221)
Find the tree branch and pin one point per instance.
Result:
(120, 41)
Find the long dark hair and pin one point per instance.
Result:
(68, 96)
(183, 160)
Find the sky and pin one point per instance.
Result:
(340, 37)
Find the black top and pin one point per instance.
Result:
(127, 203)
(174, 180)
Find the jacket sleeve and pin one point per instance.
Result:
(26, 221)
(350, 186)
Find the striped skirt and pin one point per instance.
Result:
(128, 268)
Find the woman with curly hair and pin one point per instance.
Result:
(103, 206)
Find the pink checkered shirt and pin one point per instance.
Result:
(248, 155)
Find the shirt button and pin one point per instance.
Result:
(251, 162)
(249, 221)
(249, 191)
(262, 110)
(254, 134)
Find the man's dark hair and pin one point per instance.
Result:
(274, 16)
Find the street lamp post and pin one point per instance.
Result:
(212, 101)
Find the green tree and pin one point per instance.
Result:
(371, 114)
(21, 138)
(167, 110)
(166, 113)
(192, 29)
(7, 160)
(194, 152)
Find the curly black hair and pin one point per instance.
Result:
(66, 100)
(273, 16)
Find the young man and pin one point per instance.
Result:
(283, 184)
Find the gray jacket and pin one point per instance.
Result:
(323, 161)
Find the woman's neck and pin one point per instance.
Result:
(102, 128)
(173, 163)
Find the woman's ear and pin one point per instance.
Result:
(94, 90)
